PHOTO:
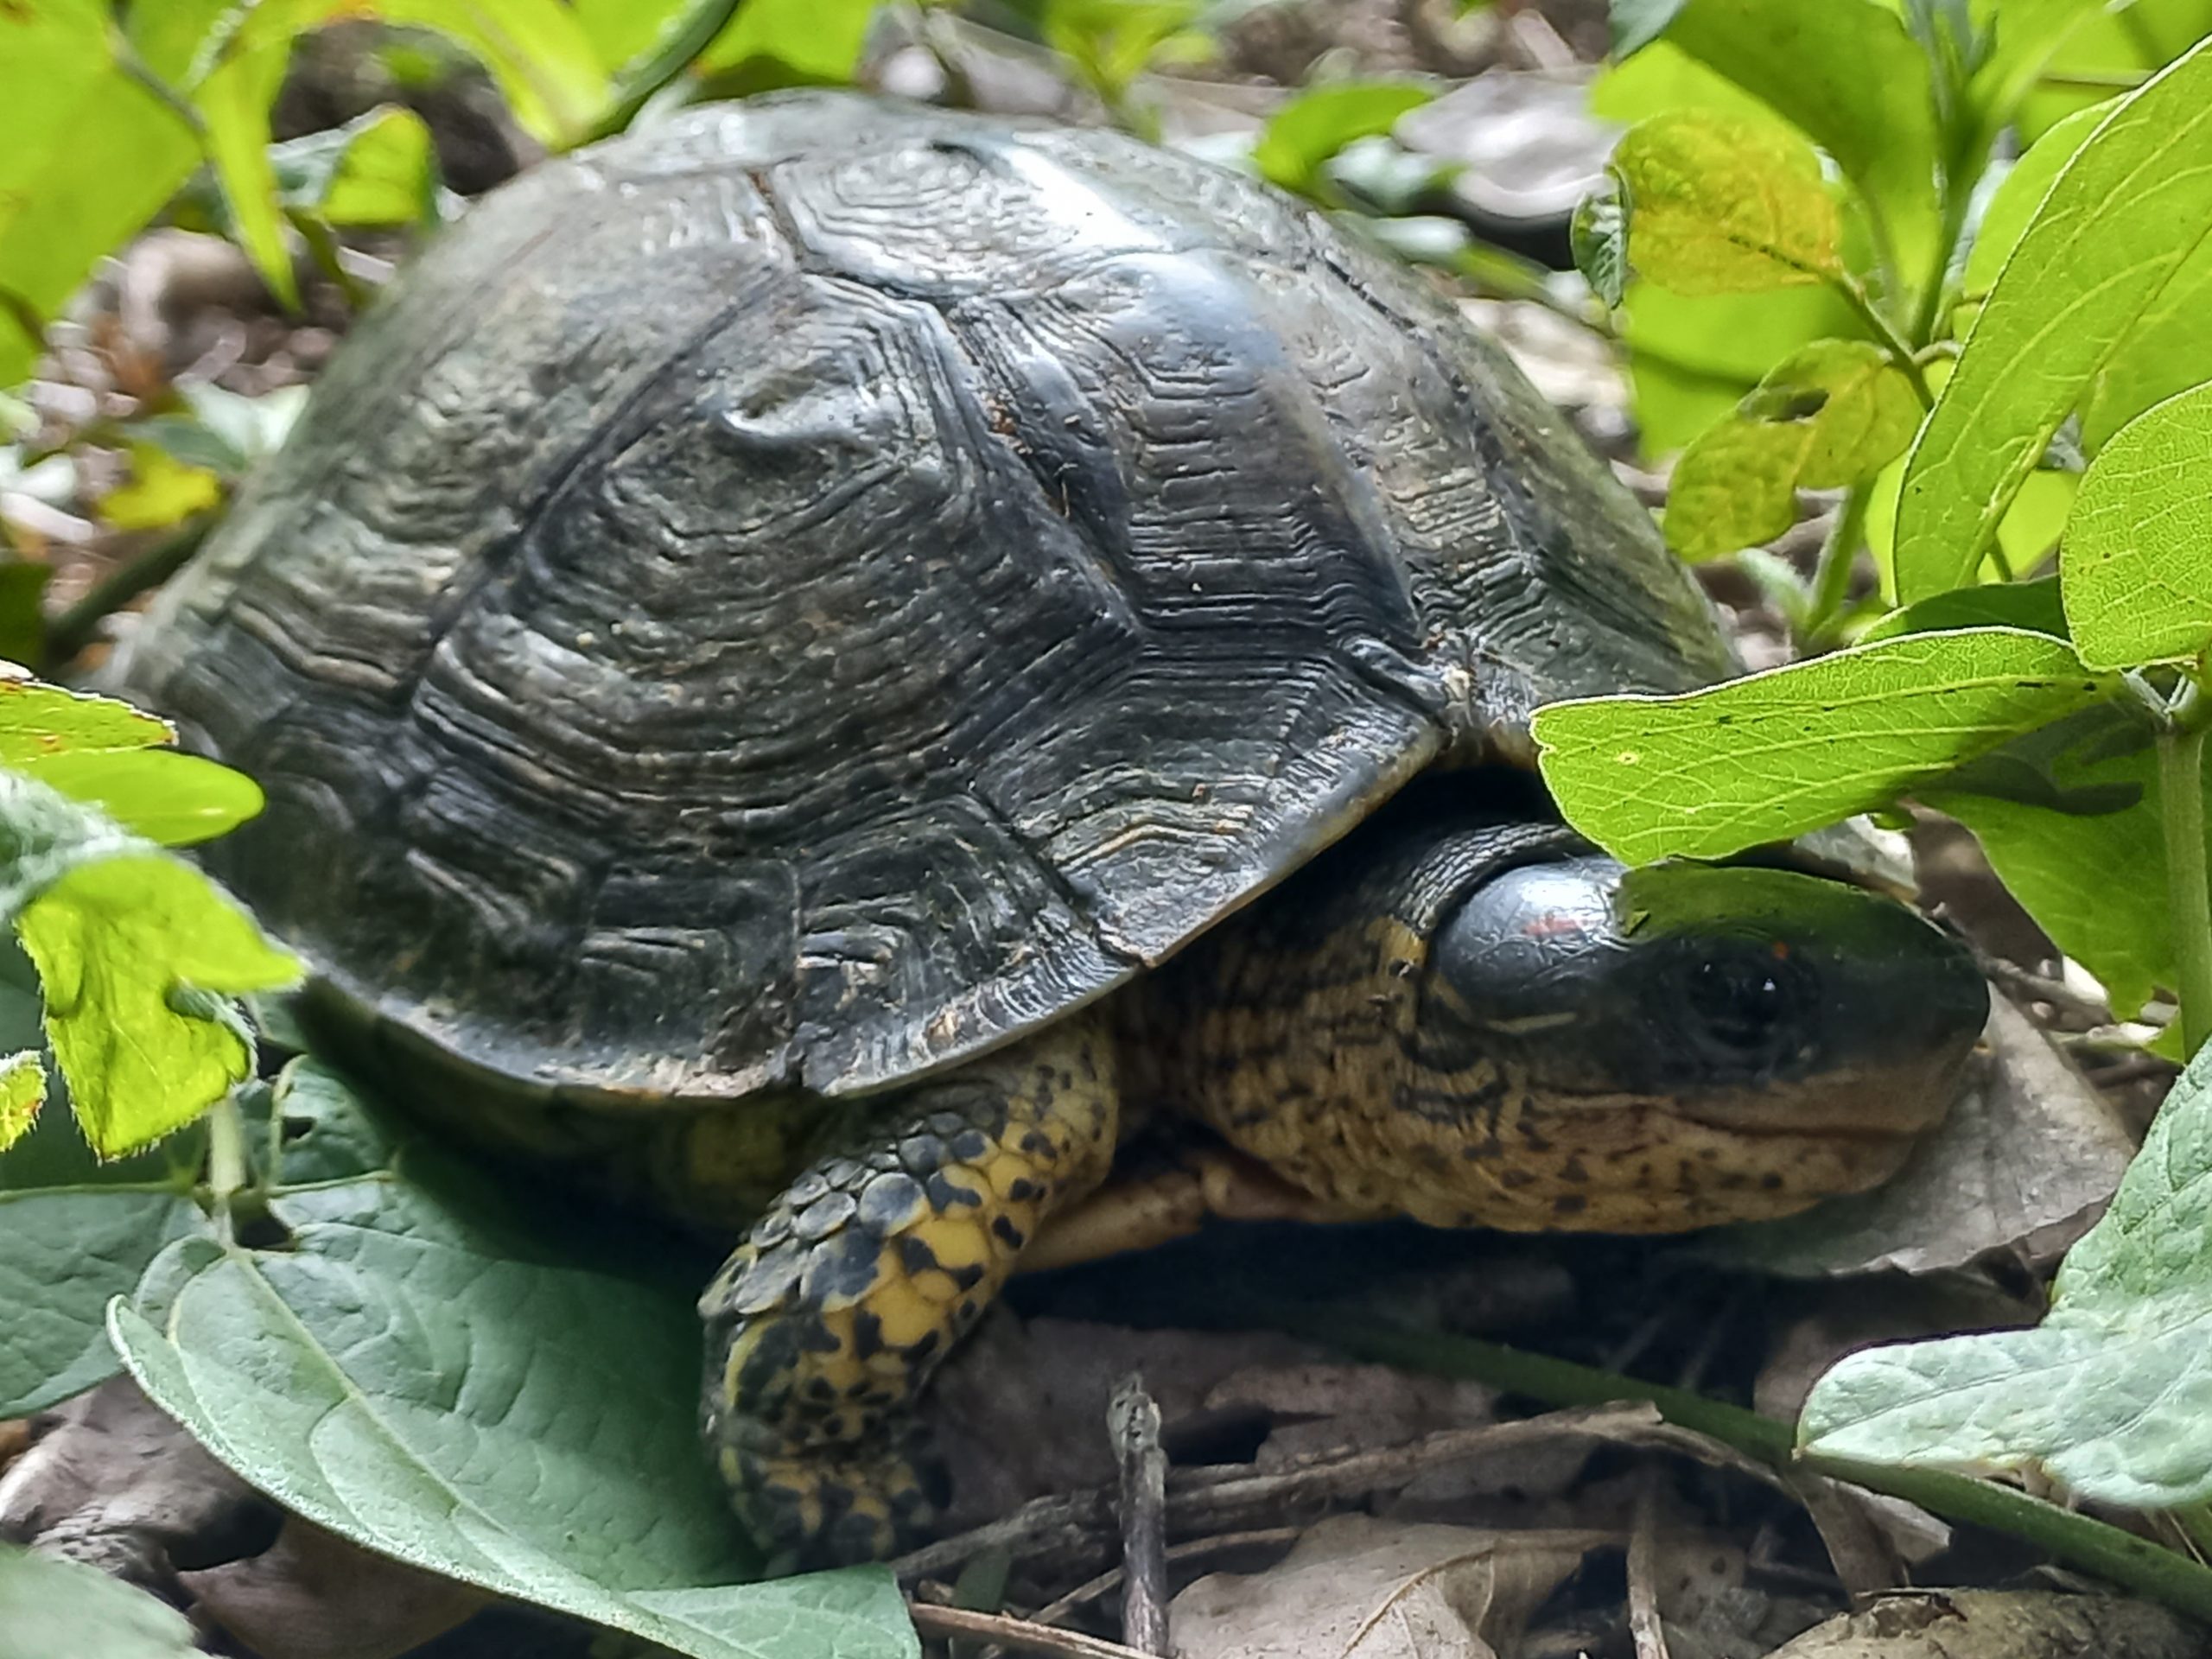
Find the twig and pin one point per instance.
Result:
(1644, 1625)
(1133, 1426)
(2026, 982)
(932, 1620)
(71, 630)
(1190, 1549)
(1208, 1500)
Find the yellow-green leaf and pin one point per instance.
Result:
(121, 944)
(38, 721)
(1774, 756)
(1831, 414)
(177, 800)
(161, 490)
(234, 103)
(2122, 217)
(2135, 568)
(23, 1091)
(1851, 77)
(1722, 206)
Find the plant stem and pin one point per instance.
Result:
(1901, 350)
(1839, 556)
(2181, 792)
(2092, 1545)
(228, 1172)
(71, 630)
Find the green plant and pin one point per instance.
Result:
(2052, 327)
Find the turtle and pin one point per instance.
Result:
(820, 661)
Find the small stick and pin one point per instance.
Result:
(1190, 1549)
(1133, 1425)
(932, 1620)
(1643, 1624)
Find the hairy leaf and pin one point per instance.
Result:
(2112, 1394)
(50, 1608)
(444, 1376)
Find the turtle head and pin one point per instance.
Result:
(1691, 1044)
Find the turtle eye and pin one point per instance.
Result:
(1742, 1007)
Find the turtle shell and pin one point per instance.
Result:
(803, 594)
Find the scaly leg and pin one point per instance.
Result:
(825, 1325)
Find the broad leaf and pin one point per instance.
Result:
(234, 103)
(1850, 77)
(75, 1233)
(1719, 206)
(1771, 756)
(377, 169)
(2018, 196)
(2136, 562)
(1692, 359)
(1830, 414)
(502, 1397)
(2123, 216)
(2034, 604)
(2169, 350)
(1598, 238)
(88, 155)
(162, 491)
(536, 50)
(38, 721)
(786, 43)
(1314, 126)
(2081, 795)
(49, 1606)
(119, 942)
(173, 799)
(2112, 1394)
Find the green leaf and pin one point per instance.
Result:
(38, 721)
(1314, 125)
(377, 169)
(1848, 74)
(622, 32)
(1832, 414)
(423, 1367)
(1718, 205)
(117, 943)
(23, 1091)
(537, 51)
(2169, 350)
(88, 154)
(2027, 33)
(177, 800)
(234, 103)
(1771, 756)
(2082, 795)
(49, 1606)
(161, 490)
(1598, 238)
(2122, 217)
(2034, 605)
(1637, 23)
(2137, 561)
(2112, 1394)
(1691, 361)
(2019, 194)
(75, 1233)
(23, 614)
(792, 42)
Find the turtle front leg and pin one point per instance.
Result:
(827, 1322)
